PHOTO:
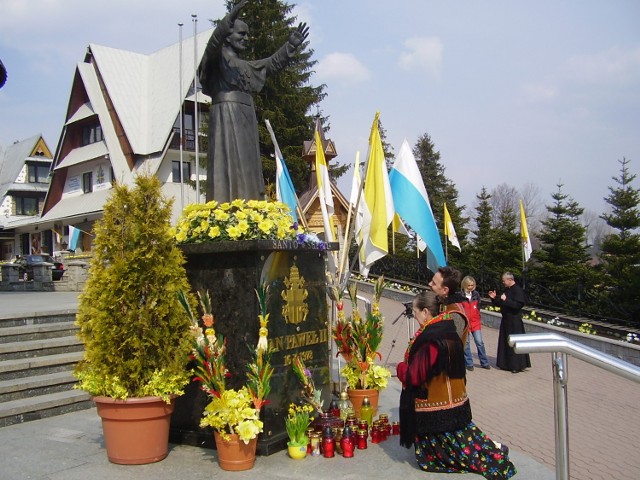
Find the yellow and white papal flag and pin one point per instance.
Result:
(449, 231)
(524, 234)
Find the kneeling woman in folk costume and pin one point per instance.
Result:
(435, 414)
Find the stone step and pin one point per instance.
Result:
(31, 386)
(23, 367)
(33, 348)
(37, 331)
(36, 319)
(42, 406)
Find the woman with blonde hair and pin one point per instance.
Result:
(471, 307)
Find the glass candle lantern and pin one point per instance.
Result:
(363, 425)
(328, 443)
(347, 442)
(345, 406)
(366, 410)
(361, 439)
(375, 433)
(310, 431)
(315, 444)
(334, 409)
(395, 428)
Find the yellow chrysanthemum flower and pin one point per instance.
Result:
(256, 216)
(234, 232)
(243, 226)
(221, 215)
(214, 232)
(265, 225)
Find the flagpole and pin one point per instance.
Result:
(332, 257)
(350, 232)
(181, 126)
(195, 104)
(446, 249)
(446, 236)
(301, 216)
(347, 239)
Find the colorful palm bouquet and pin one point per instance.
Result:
(309, 393)
(229, 411)
(359, 337)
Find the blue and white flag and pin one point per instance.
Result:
(285, 192)
(74, 236)
(412, 204)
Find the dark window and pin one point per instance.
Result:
(26, 206)
(38, 174)
(91, 134)
(186, 171)
(87, 182)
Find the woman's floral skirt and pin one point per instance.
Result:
(464, 450)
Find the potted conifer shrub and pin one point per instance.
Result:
(135, 332)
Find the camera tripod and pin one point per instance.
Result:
(407, 313)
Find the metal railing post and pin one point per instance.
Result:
(560, 347)
(561, 411)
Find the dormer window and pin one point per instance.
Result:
(91, 134)
(38, 173)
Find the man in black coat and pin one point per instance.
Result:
(510, 302)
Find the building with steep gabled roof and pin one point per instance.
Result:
(24, 181)
(123, 118)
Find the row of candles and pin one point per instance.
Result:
(329, 437)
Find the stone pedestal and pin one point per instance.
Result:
(10, 273)
(298, 324)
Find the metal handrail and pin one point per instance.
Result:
(560, 347)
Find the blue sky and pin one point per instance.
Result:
(541, 92)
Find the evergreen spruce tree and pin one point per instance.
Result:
(560, 267)
(479, 262)
(620, 251)
(287, 98)
(505, 246)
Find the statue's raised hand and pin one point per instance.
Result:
(299, 35)
(233, 13)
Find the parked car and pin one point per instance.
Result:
(26, 263)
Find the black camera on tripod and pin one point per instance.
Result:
(408, 309)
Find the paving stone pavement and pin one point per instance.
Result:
(517, 409)
(513, 409)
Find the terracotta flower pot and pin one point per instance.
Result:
(234, 454)
(136, 430)
(357, 396)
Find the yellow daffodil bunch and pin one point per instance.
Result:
(297, 422)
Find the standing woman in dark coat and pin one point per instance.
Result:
(510, 302)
